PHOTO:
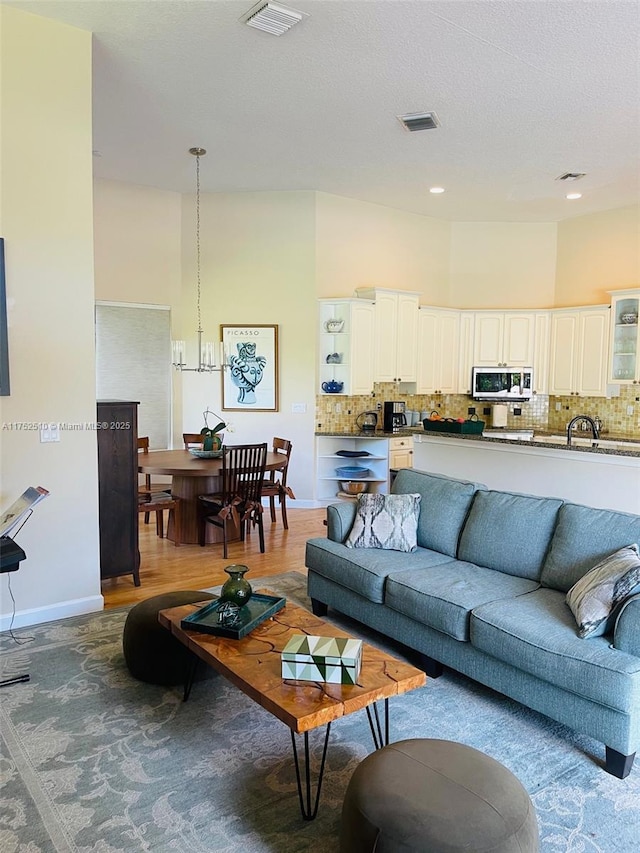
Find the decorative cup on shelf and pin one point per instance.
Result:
(334, 358)
(334, 325)
(332, 387)
(629, 318)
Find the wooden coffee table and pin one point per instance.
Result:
(253, 665)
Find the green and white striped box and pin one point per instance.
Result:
(335, 660)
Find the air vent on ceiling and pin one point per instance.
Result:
(272, 17)
(571, 176)
(419, 121)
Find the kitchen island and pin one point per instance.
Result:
(606, 477)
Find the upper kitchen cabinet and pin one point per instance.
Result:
(541, 352)
(438, 344)
(625, 337)
(465, 352)
(346, 346)
(504, 339)
(579, 351)
(396, 333)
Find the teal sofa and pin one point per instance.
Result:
(484, 594)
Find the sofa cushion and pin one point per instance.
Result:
(596, 598)
(536, 633)
(583, 537)
(363, 570)
(509, 532)
(389, 522)
(443, 596)
(443, 509)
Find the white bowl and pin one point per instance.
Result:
(629, 318)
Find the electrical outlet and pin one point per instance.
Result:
(471, 410)
(517, 410)
(630, 410)
(558, 407)
(338, 408)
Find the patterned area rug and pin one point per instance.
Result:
(93, 760)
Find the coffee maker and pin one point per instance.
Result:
(394, 416)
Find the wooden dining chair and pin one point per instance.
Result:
(237, 505)
(154, 497)
(191, 439)
(149, 488)
(275, 486)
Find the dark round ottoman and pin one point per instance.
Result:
(436, 796)
(150, 652)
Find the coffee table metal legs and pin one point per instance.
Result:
(305, 797)
(376, 730)
(380, 734)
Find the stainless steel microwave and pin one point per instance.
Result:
(502, 383)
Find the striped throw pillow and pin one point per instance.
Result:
(596, 598)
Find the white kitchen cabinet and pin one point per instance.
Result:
(504, 339)
(465, 352)
(401, 452)
(346, 345)
(579, 351)
(541, 352)
(625, 337)
(396, 333)
(328, 482)
(438, 341)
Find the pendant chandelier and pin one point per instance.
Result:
(206, 351)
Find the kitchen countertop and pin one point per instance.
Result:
(356, 433)
(545, 439)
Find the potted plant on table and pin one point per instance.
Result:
(212, 436)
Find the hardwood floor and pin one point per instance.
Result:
(164, 568)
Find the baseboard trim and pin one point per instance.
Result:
(59, 610)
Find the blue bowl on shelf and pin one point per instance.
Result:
(352, 472)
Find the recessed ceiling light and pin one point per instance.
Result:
(436, 190)
(572, 196)
(272, 18)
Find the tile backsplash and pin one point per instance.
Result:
(619, 415)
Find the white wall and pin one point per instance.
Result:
(137, 234)
(503, 264)
(597, 253)
(258, 266)
(46, 205)
(361, 244)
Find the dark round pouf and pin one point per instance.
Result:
(436, 796)
(150, 652)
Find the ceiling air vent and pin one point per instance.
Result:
(419, 121)
(571, 176)
(272, 18)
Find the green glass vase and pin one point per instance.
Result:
(237, 590)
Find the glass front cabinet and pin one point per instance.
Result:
(625, 364)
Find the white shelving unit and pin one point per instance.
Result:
(346, 345)
(327, 460)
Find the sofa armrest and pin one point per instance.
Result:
(626, 634)
(340, 520)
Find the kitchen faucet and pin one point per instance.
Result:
(587, 419)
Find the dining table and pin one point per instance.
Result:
(192, 476)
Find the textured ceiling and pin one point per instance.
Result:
(525, 90)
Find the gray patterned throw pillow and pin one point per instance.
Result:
(385, 521)
(595, 599)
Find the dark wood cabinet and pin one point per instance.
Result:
(118, 488)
